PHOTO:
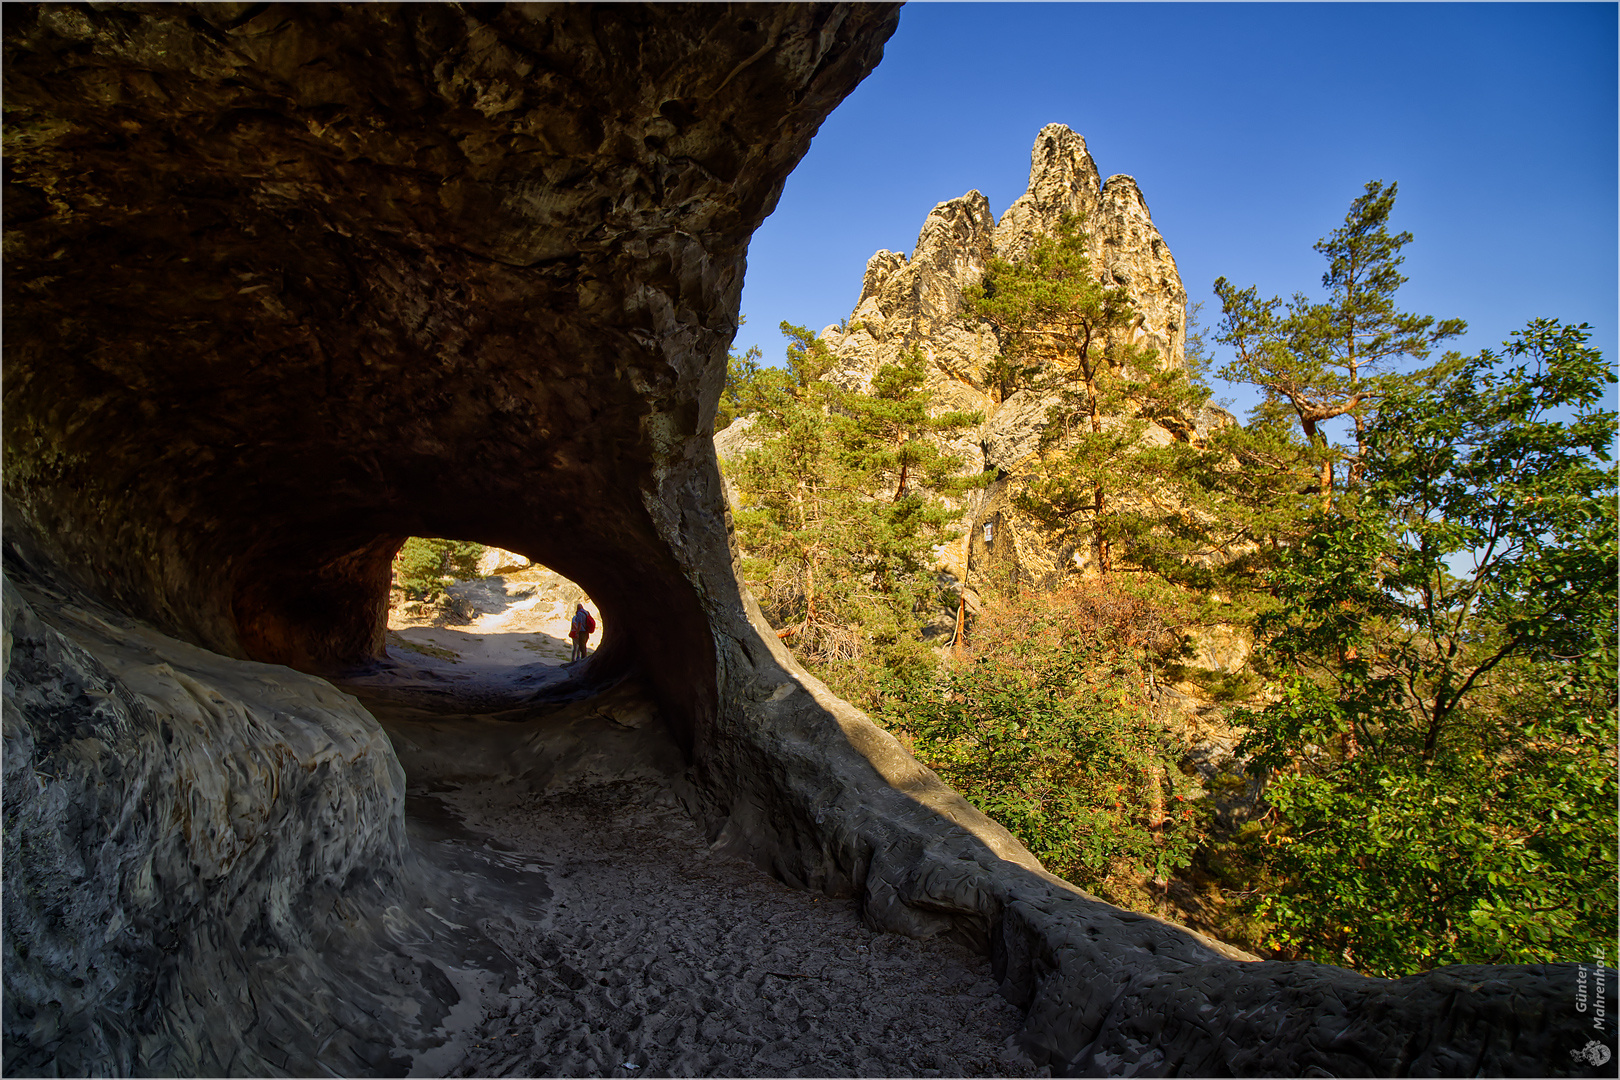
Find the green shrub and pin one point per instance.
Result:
(424, 566)
(1048, 726)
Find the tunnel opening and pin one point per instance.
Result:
(313, 591)
(484, 620)
(455, 626)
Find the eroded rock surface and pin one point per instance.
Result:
(181, 831)
(287, 284)
(496, 561)
(918, 303)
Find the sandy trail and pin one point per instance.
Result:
(644, 953)
(631, 947)
(515, 641)
(518, 620)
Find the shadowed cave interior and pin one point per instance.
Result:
(523, 773)
(330, 618)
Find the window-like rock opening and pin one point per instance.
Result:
(480, 621)
(313, 591)
(459, 624)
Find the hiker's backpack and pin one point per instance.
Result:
(590, 624)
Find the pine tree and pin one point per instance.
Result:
(422, 566)
(791, 521)
(1336, 358)
(1064, 333)
(842, 505)
(893, 437)
(741, 371)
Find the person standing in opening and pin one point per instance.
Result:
(580, 631)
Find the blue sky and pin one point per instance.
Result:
(1250, 128)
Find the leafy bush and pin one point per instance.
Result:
(423, 566)
(1048, 725)
(1439, 757)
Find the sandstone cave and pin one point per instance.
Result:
(287, 284)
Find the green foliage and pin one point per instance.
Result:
(841, 510)
(1048, 726)
(1064, 333)
(1437, 628)
(1333, 359)
(423, 566)
(891, 437)
(1200, 516)
(741, 371)
(1213, 518)
(1056, 322)
(1195, 355)
(1441, 757)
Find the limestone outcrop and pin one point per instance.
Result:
(917, 303)
(496, 561)
(286, 284)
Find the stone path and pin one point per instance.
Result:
(640, 952)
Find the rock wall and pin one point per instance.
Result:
(917, 302)
(287, 284)
(182, 832)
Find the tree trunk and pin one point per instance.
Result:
(809, 592)
(1155, 797)
(1325, 478)
(1354, 476)
(961, 622)
(1097, 530)
(1099, 500)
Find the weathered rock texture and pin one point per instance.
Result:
(917, 303)
(206, 869)
(286, 284)
(496, 561)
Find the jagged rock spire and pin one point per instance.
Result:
(917, 302)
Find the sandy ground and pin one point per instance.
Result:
(630, 947)
(643, 953)
(514, 643)
(519, 620)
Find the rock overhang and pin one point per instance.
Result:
(289, 285)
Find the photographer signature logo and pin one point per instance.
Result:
(1593, 1053)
